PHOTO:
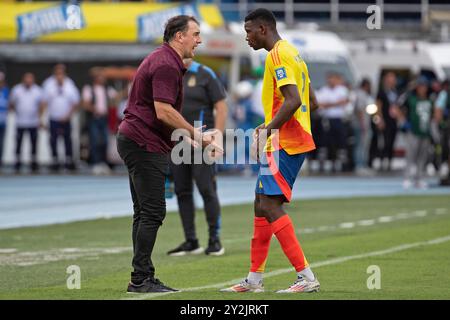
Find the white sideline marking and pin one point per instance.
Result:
(368, 222)
(385, 219)
(347, 225)
(8, 250)
(362, 223)
(421, 213)
(30, 258)
(402, 247)
(402, 216)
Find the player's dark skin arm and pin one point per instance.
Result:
(291, 103)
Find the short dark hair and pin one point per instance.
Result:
(333, 73)
(263, 15)
(175, 24)
(59, 67)
(365, 82)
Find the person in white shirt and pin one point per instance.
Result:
(96, 99)
(361, 122)
(27, 103)
(333, 100)
(62, 98)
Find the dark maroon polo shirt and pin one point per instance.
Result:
(158, 78)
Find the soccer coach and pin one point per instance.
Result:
(144, 140)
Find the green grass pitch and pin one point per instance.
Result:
(408, 238)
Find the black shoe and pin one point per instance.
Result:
(17, 166)
(34, 167)
(214, 248)
(71, 166)
(54, 167)
(188, 247)
(149, 285)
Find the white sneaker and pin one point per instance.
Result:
(97, 170)
(101, 169)
(364, 172)
(407, 184)
(245, 286)
(302, 284)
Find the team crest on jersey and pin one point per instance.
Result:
(281, 73)
(192, 81)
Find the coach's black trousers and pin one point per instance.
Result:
(147, 172)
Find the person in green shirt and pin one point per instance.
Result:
(416, 118)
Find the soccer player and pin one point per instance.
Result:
(144, 141)
(286, 101)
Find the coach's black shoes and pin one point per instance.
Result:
(187, 247)
(149, 285)
(214, 248)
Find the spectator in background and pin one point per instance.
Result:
(27, 103)
(435, 89)
(361, 126)
(333, 100)
(386, 122)
(442, 117)
(96, 99)
(241, 113)
(416, 117)
(4, 95)
(62, 98)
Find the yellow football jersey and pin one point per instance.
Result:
(284, 66)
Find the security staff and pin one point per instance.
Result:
(204, 102)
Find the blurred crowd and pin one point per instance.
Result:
(355, 129)
(52, 106)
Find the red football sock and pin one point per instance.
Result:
(284, 231)
(262, 233)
